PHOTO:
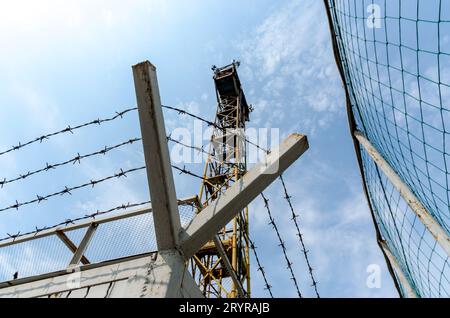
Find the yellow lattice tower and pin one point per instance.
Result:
(225, 165)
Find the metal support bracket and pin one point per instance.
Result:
(227, 263)
(77, 256)
(70, 245)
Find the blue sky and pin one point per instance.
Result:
(67, 63)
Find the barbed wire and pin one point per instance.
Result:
(186, 171)
(122, 173)
(68, 190)
(300, 236)
(272, 221)
(282, 244)
(68, 129)
(260, 269)
(253, 247)
(73, 221)
(76, 159)
(199, 149)
(211, 124)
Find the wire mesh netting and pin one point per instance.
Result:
(422, 259)
(395, 56)
(104, 182)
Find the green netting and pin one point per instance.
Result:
(395, 57)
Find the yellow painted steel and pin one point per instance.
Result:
(221, 171)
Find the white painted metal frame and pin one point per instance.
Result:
(83, 245)
(414, 203)
(410, 292)
(76, 226)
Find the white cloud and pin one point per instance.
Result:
(289, 56)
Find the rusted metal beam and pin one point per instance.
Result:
(229, 268)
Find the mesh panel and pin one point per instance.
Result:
(112, 240)
(123, 238)
(421, 257)
(396, 61)
(35, 257)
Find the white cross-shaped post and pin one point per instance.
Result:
(177, 244)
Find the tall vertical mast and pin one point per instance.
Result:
(226, 164)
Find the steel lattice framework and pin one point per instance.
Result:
(225, 165)
(210, 234)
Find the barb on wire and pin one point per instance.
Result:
(68, 190)
(210, 123)
(282, 244)
(300, 236)
(68, 129)
(184, 112)
(185, 171)
(73, 221)
(260, 269)
(76, 159)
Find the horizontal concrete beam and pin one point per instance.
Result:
(222, 210)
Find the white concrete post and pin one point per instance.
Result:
(159, 172)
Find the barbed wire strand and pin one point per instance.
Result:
(68, 190)
(76, 159)
(282, 244)
(186, 171)
(72, 221)
(199, 149)
(260, 269)
(300, 236)
(253, 247)
(68, 129)
(210, 123)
